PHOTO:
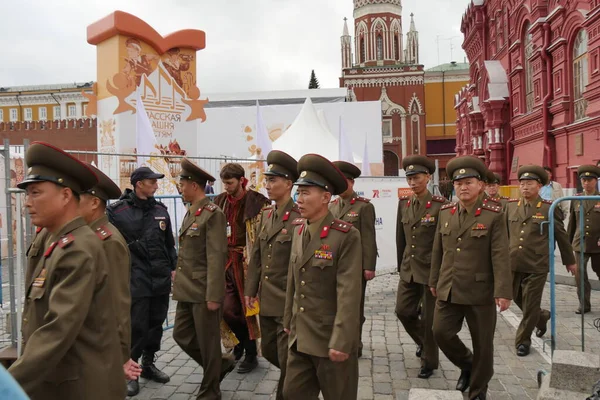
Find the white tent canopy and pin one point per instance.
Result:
(309, 133)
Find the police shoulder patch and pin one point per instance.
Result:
(438, 199)
(491, 207)
(363, 199)
(116, 204)
(103, 233)
(447, 206)
(210, 207)
(298, 221)
(341, 226)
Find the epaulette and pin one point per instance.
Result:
(267, 208)
(103, 233)
(547, 201)
(335, 201)
(211, 207)
(363, 199)
(491, 208)
(296, 209)
(38, 229)
(66, 240)
(341, 226)
(116, 204)
(512, 200)
(449, 205)
(298, 221)
(404, 197)
(438, 199)
(505, 198)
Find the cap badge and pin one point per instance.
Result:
(29, 170)
(526, 174)
(411, 167)
(462, 171)
(60, 180)
(270, 167)
(587, 174)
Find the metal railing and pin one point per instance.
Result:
(580, 267)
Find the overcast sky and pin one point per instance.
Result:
(251, 45)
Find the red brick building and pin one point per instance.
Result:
(534, 92)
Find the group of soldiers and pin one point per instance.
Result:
(290, 273)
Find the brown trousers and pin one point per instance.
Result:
(595, 257)
(408, 298)
(274, 346)
(197, 332)
(308, 375)
(362, 313)
(527, 292)
(481, 320)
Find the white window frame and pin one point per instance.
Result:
(42, 113)
(56, 112)
(14, 115)
(72, 111)
(384, 131)
(28, 114)
(1, 115)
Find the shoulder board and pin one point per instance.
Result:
(334, 201)
(491, 208)
(438, 199)
(363, 199)
(267, 208)
(547, 201)
(66, 240)
(116, 204)
(341, 226)
(295, 209)
(161, 204)
(447, 206)
(513, 200)
(38, 229)
(505, 198)
(298, 221)
(404, 197)
(210, 207)
(103, 233)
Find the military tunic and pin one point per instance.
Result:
(71, 346)
(200, 278)
(322, 310)
(469, 269)
(415, 230)
(591, 211)
(360, 212)
(529, 259)
(267, 278)
(119, 261)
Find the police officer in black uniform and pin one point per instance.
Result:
(145, 224)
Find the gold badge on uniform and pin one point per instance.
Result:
(270, 167)
(323, 255)
(411, 167)
(162, 225)
(479, 227)
(538, 216)
(427, 218)
(352, 214)
(194, 227)
(302, 174)
(40, 280)
(462, 171)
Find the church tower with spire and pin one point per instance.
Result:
(384, 70)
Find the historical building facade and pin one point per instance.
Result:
(381, 66)
(534, 91)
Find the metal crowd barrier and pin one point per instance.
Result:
(581, 265)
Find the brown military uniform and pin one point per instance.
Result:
(591, 212)
(415, 230)
(529, 260)
(498, 201)
(360, 212)
(119, 261)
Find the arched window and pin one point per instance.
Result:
(363, 53)
(379, 47)
(528, 52)
(580, 73)
(396, 47)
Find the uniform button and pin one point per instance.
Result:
(302, 296)
(587, 227)
(524, 223)
(414, 227)
(522, 231)
(301, 309)
(24, 319)
(414, 237)
(460, 239)
(302, 283)
(270, 245)
(413, 246)
(587, 220)
(179, 268)
(412, 255)
(303, 270)
(269, 256)
(520, 247)
(521, 239)
(458, 249)
(266, 266)
(266, 278)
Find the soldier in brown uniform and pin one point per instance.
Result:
(492, 187)
(92, 208)
(415, 230)
(588, 174)
(70, 340)
(199, 286)
(470, 276)
(270, 259)
(529, 258)
(358, 211)
(322, 307)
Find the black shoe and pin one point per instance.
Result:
(480, 396)
(425, 372)
(578, 312)
(238, 352)
(464, 380)
(360, 352)
(522, 350)
(419, 351)
(227, 365)
(248, 365)
(150, 372)
(133, 388)
(539, 332)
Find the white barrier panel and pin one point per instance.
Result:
(384, 194)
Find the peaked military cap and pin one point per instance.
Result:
(316, 170)
(588, 171)
(50, 164)
(282, 164)
(413, 165)
(192, 172)
(349, 170)
(105, 189)
(534, 173)
(492, 178)
(466, 167)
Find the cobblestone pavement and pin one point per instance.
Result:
(388, 368)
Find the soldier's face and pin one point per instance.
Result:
(468, 189)
(418, 183)
(529, 188)
(350, 189)
(589, 184)
(88, 205)
(187, 189)
(312, 201)
(492, 189)
(278, 187)
(45, 202)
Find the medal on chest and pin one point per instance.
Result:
(427, 218)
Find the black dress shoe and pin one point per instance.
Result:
(425, 372)
(248, 365)
(522, 350)
(419, 351)
(480, 396)
(464, 380)
(133, 388)
(578, 312)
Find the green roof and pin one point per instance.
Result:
(453, 66)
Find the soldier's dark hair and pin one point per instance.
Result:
(232, 170)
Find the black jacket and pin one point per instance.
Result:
(146, 226)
